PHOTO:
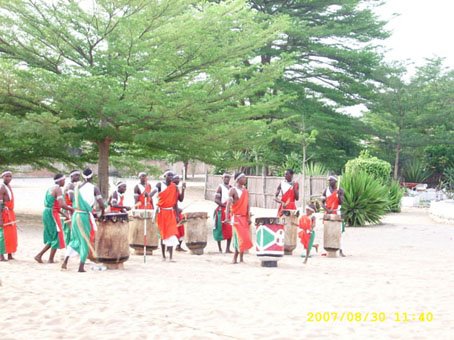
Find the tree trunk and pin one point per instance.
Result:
(397, 160)
(185, 172)
(103, 167)
(303, 193)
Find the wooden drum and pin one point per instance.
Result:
(136, 225)
(196, 232)
(111, 242)
(332, 230)
(270, 235)
(290, 220)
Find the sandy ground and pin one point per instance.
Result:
(401, 266)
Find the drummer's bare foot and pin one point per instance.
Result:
(235, 257)
(227, 248)
(241, 257)
(163, 259)
(219, 246)
(38, 259)
(316, 247)
(305, 260)
(2, 258)
(10, 257)
(81, 268)
(64, 265)
(341, 253)
(52, 255)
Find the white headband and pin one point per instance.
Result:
(309, 208)
(59, 179)
(332, 177)
(119, 184)
(7, 172)
(168, 172)
(225, 174)
(141, 174)
(87, 176)
(75, 172)
(240, 176)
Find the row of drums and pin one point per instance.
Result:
(117, 233)
(274, 236)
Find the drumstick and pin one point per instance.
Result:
(145, 233)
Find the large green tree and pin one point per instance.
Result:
(334, 46)
(413, 119)
(141, 75)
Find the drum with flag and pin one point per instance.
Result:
(270, 237)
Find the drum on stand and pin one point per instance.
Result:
(270, 235)
(111, 241)
(332, 231)
(136, 225)
(290, 220)
(196, 232)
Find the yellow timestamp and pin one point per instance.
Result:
(369, 317)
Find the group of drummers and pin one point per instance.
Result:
(69, 216)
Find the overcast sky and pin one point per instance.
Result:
(425, 28)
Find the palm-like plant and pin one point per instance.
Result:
(415, 172)
(395, 193)
(366, 199)
(316, 169)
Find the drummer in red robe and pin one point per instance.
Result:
(332, 199)
(288, 189)
(166, 218)
(116, 201)
(8, 228)
(238, 209)
(142, 191)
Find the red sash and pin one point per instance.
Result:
(240, 206)
(120, 202)
(57, 218)
(141, 199)
(289, 199)
(332, 201)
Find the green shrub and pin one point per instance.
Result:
(395, 193)
(439, 157)
(415, 172)
(448, 179)
(366, 199)
(377, 168)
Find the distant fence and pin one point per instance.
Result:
(262, 189)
